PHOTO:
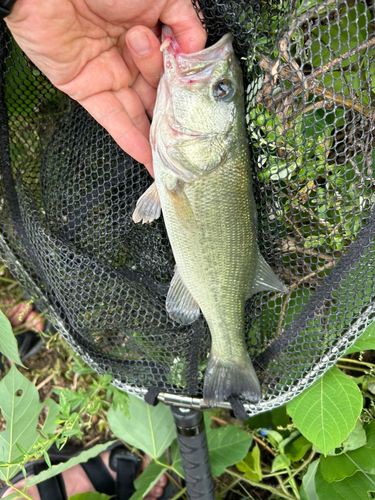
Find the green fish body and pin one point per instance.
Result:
(203, 186)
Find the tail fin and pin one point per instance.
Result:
(225, 378)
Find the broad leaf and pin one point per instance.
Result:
(365, 342)
(226, 446)
(347, 464)
(149, 428)
(250, 465)
(57, 469)
(176, 459)
(20, 406)
(92, 495)
(269, 419)
(8, 342)
(356, 439)
(307, 490)
(350, 488)
(280, 462)
(149, 478)
(11, 497)
(326, 412)
(297, 448)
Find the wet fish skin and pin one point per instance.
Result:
(203, 180)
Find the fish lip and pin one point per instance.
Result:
(175, 49)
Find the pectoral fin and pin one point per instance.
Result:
(265, 279)
(182, 206)
(180, 304)
(148, 206)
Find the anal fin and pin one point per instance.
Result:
(148, 206)
(266, 279)
(180, 304)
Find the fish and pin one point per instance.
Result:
(203, 186)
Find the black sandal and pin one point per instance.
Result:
(123, 462)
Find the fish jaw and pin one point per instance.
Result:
(185, 93)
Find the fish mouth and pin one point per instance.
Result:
(174, 48)
(206, 57)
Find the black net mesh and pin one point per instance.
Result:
(68, 193)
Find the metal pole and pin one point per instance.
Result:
(192, 442)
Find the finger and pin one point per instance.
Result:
(147, 94)
(144, 47)
(34, 321)
(182, 18)
(155, 493)
(110, 112)
(16, 315)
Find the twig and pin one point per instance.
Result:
(97, 438)
(357, 362)
(294, 286)
(45, 381)
(227, 488)
(179, 494)
(305, 16)
(365, 45)
(294, 247)
(260, 485)
(306, 462)
(282, 314)
(218, 420)
(264, 445)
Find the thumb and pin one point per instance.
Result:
(187, 28)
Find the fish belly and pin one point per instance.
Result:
(216, 259)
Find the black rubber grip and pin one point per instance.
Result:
(192, 442)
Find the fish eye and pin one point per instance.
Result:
(223, 89)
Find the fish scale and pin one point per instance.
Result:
(203, 186)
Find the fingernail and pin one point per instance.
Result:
(139, 43)
(158, 491)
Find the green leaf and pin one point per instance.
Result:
(149, 478)
(92, 495)
(250, 465)
(57, 469)
(226, 445)
(347, 464)
(365, 342)
(8, 342)
(280, 462)
(351, 488)
(326, 412)
(270, 419)
(356, 439)
(20, 406)
(149, 428)
(297, 448)
(307, 490)
(12, 496)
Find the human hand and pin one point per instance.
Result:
(106, 55)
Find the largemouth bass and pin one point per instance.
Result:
(203, 186)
